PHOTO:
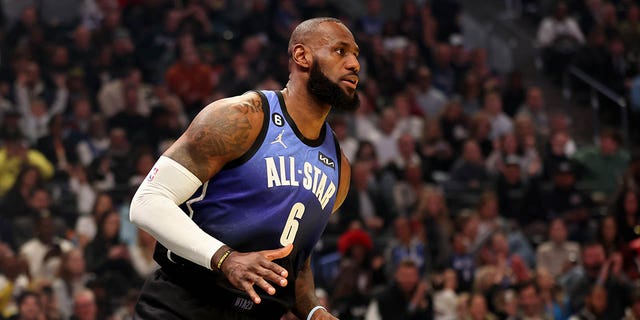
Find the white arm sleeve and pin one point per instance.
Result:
(154, 208)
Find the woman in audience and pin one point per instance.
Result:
(72, 278)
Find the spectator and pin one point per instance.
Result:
(599, 272)
(56, 146)
(500, 122)
(407, 122)
(116, 94)
(454, 125)
(564, 200)
(348, 143)
(437, 153)
(513, 95)
(557, 255)
(596, 303)
(604, 165)
(471, 93)
(594, 58)
(512, 191)
(627, 214)
(86, 226)
(469, 172)
(354, 280)
(529, 302)
(560, 37)
(142, 254)
(129, 118)
(364, 204)
(430, 99)
(478, 309)
(34, 103)
(462, 262)
(84, 306)
(489, 214)
(445, 299)
(609, 236)
(556, 153)
(95, 144)
(433, 214)
(406, 298)
(190, 79)
(387, 144)
(82, 190)
(534, 108)
(480, 129)
(408, 189)
(72, 278)
(406, 244)
(44, 250)
(407, 156)
(16, 200)
(29, 307)
(110, 259)
(629, 30)
(444, 76)
(553, 298)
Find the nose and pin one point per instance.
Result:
(352, 63)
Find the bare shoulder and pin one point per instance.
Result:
(221, 132)
(345, 180)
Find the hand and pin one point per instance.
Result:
(246, 269)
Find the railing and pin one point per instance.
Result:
(596, 90)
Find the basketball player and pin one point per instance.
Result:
(239, 201)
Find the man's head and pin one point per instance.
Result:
(529, 299)
(558, 231)
(29, 306)
(407, 276)
(593, 257)
(610, 141)
(84, 305)
(535, 99)
(324, 51)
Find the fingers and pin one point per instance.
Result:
(248, 288)
(274, 274)
(246, 270)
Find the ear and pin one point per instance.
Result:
(301, 56)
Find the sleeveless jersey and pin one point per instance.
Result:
(281, 191)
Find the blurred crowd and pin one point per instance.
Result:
(470, 198)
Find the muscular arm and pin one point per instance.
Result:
(222, 132)
(305, 291)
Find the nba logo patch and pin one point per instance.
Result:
(152, 174)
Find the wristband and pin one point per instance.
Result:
(224, 257)
(316, 308)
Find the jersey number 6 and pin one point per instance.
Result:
(291, 227)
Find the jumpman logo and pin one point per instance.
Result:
(279, 140)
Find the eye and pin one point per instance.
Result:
(340, 51)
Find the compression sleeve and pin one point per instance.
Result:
(154, 208)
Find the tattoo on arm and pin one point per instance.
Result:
(222, 131)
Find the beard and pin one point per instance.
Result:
(329, 92)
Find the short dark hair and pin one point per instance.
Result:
(300, 33)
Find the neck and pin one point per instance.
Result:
(306, 111)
